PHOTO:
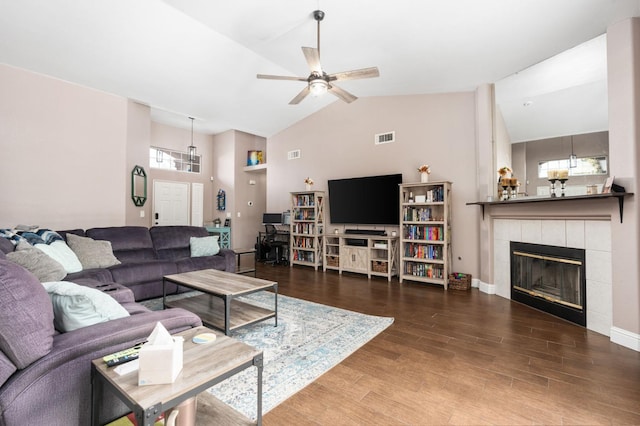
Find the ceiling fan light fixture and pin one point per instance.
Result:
(318, 87)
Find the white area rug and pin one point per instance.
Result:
(310, 339)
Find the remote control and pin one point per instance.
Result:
(122, 356)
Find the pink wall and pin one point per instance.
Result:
(164, 136)
(63, 147)
(338, 142)
(623, 59)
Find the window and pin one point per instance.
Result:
(586, 166)
(161, 158)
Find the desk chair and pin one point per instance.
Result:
(272, 242)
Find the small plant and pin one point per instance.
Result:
(424, 169)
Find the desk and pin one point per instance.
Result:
(203, 366)
(225, 235)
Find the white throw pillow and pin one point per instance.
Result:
(204, 246)
(76, 306)
(61, 253)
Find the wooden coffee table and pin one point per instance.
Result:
(217, 307)
(204, 365)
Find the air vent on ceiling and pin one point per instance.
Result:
(293, 155)
(388, 137)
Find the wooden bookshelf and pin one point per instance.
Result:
(425, 232)
(306, 229)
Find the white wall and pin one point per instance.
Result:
(338, 142)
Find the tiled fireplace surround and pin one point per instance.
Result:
(594, 236)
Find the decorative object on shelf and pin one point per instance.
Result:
(217, 222)
(562, 176)
(254, 158)
(502, 186)
(308, 182)
(191, 149)
(424, 170)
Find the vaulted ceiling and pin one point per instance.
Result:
(200, 58)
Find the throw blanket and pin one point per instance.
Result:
(32, 236)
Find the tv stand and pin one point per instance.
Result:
(373, 255)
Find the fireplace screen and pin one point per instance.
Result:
(549, 278)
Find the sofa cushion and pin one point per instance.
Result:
(92, 253)
(204, 246)
(26, 316)
(142, 272)
(37, 262)
(172, 242)
(61, 253)
(7, 368)
(76, 306)
(198, 263)
(129, 243)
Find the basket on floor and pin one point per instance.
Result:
(459, 281)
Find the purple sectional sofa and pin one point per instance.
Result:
(149, 254)
(45, 374)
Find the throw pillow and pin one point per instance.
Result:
(76, 306)
(61, 253)
(92, 253)
(26, 316)
(204, 246)
(37, 262)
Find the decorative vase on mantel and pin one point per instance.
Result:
(424, 177)
(308, 187)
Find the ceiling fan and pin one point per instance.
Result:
(319, 82)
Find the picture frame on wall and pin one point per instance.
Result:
(254, 158)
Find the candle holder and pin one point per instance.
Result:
(552, 187)
(514, 191)
(562, 181)
(505, 193)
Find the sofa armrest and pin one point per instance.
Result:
(67, 368)
(229, 259)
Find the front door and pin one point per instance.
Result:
(170, 203)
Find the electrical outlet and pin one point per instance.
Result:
(141, 213)
(238, 214)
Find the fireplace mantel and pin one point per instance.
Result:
(535, 199)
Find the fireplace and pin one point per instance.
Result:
(551, 279)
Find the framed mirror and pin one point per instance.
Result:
(138, 186)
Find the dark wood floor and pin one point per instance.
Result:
(458, 357)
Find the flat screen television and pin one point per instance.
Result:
(370, 200)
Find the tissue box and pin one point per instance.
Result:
(160, 363)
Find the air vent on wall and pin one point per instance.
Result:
(388, 137)
(293, 155)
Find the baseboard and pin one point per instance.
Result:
(486, 287)
(625, 338)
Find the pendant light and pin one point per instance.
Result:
(573, 159)
(191, 149)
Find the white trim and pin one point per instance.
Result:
(486, 287)
(625, 338)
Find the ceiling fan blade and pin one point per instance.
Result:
(342, 94)
(312, 56)
(355, 74)
(300, 96)
(280, 77)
